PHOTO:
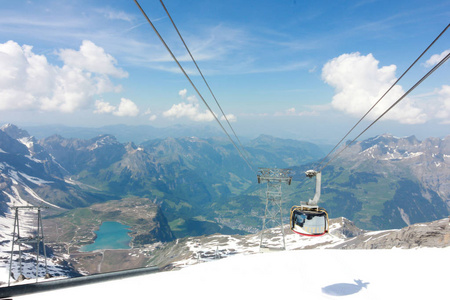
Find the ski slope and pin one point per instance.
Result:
(301, 274)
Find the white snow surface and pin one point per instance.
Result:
(297, 274)
(27, 141)
(17, 180)
(35, 180)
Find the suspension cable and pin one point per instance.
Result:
(395, 103)
(357, 123)
(193, 85)
(204, 79)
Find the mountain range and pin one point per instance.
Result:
(125, 133)
(388, 182)
(380, 183)
(172, 191)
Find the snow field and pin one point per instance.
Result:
(300, 274)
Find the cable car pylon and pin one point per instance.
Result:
(17, 239)
(273, 216)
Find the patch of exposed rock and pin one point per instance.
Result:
(344, 228)
(433, 234)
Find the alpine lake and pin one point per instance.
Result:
(111, 235)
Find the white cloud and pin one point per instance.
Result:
(291, 111)
(126, 108)
(230, 118)
(29, 82)
(189, 109)
(92, 58)
(112, 14)
(183, 93)
(434, 59)
(152, 117)
(103, 107)
(359, 83)
(192, 99)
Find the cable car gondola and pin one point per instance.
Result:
(310, 219)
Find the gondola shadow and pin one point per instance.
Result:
(344, 289)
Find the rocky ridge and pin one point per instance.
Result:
(427, 160)
(343, 235)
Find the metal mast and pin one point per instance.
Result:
(18, 240)
(273, 215)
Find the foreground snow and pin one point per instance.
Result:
(301, 274)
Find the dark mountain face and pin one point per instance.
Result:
(30, 173)
(411, 204)
(14, 132)
(77, 155)
(10, 145)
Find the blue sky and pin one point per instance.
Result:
(299, 69)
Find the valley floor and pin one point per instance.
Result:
(419, 273)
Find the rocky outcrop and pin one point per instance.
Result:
(344, 228)
(433, 234)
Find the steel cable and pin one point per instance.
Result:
(201, 74)
(420, 56)
(394, 104)
(193, 85)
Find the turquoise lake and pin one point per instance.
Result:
(111, 235)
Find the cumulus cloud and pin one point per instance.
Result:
(29, 82)
(103, 107)
(189, 108)
(183, 93)
(436, 58)
(126, 108)
(359, 82)
(92, 58)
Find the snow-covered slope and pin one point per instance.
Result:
(410, 265)
(29, 176)
(296, 274)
